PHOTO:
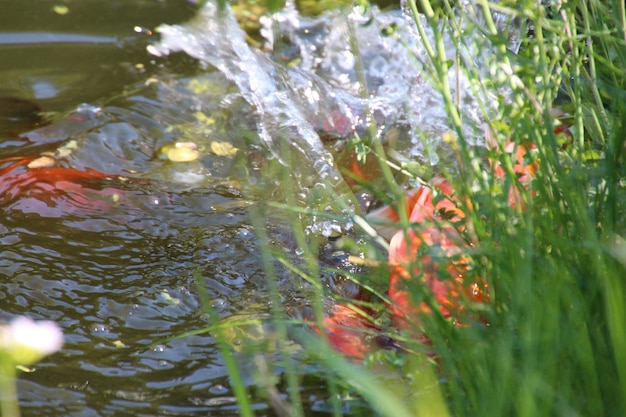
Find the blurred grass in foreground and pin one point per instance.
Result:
(556, 340)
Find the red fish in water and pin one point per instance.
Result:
(429, 261)
(350, 331)
(36, 184)
(434, 250)
(431, 253)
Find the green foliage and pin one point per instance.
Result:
(555, 338)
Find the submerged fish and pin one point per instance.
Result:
(37, 185)
(429, 264)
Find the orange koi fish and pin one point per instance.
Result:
(35, 184)
(429, 264)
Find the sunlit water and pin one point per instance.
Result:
(118, 273)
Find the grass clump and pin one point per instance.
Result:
(555, 337)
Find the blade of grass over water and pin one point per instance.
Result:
(239, 389)
(415, 393)
(279, 315)
(308, 252)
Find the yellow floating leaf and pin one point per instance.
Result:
(61, 9)
(67, 149)
(169, 299)
(199, 86)
(223, 149)
(182, 152)
(203, 118)
(119, 344)
(43, 161)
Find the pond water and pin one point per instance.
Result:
(147, 165)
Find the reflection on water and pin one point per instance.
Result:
(39, 38)
(62, 60)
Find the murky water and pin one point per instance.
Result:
(111, 256)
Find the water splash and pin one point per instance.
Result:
(325, 79)
(261, 82)
(309, 82)
(398, 89)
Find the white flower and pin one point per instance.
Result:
(26, 341)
